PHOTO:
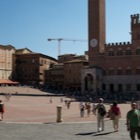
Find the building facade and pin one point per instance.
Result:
(117, 64)
(72, 74)
(66, 76)
(54, 77)
(30, 67)
(6, 61)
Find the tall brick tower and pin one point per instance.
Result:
(96, 28)
(135, 29)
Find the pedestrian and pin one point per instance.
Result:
(101, 112)
(51, 100)
(61, 100)
(68, 104)
(115, 115)
(1, 109)
(88, 108)
(82, 109)
(133, 121)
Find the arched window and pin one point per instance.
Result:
(128, 71)
(128, 51)
(119, 52)
(111, 52)
(119, 71)
(111, 71)
(138, 51)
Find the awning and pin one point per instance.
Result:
(6, 81)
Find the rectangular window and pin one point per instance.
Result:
(138, 87)
(111, 87)
(128, 87)
(104, 87)
(120, 87)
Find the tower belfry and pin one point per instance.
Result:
(96, 27)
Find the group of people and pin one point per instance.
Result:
(114, 113)
(83, 107)
(132, 117)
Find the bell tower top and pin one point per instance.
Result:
(135, 29)
(96, 27)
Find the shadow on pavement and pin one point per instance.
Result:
(84, 134)
(99, 134)
(95, 133)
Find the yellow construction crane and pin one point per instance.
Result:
(64, 39)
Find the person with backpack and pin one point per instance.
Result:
(101, 112)
(1, 109)
(116, 114)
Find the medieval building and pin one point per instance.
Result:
(113, 67)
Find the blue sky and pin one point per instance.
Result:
(29, 23)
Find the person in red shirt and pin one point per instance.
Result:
(116, 114)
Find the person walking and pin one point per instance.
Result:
(88, 108)
(133, 121)
(1, 109)
(116, 114)
(82, 109)
(68, 104)
(101, 112)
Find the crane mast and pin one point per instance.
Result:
(63, 39)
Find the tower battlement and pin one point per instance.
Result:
(117, 44)
(135, 19)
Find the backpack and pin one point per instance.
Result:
(102, 110)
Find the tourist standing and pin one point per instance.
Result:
(133, 121)
(101, 112)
